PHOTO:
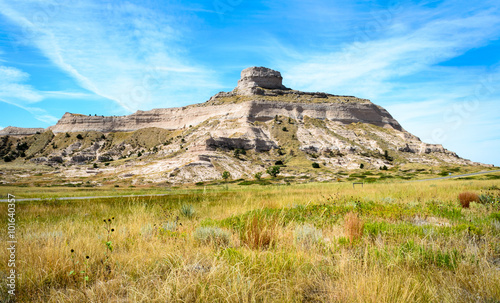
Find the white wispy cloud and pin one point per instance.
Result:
(15, 91)
(396, 64)
(68, 95)
(38, 113)
(410, 41)
(12, 86)
(124, 52)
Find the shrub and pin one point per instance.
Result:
(169, 226)
(353, 226)
(315, 165)
(258, 175)
(307, 235)
(387, 157)
(284, 129)
(79, 136)
(187, 210)
(212, 235)
(239, 151)
(273, 171)
(226, 175)
(466, 198)
(279, 162)
(361, 166)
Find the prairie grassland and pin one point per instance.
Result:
(317, 242)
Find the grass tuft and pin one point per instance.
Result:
(466, 198)
(353, 226)
(259, 233)
(187, 210)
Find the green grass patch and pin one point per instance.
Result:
(257, 182)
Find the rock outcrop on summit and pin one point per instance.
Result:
(195, 143)
(254, 78)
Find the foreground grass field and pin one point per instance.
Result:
(317, 242)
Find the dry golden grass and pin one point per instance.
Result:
(353, 226)
(259, 233)
(453, 256)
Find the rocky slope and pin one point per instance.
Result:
(259, 123)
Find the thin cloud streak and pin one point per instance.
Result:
(39, 114)
(135, 63)
(367, 69)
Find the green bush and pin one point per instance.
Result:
(226, 175)
(8, 158)
(315, 165)
(273, 171)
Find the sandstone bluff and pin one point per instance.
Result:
(260, 118)
(256, 86)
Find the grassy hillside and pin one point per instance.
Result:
(316, 242)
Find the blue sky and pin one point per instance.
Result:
(435, 65)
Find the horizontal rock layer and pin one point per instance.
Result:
(176, 118)
(20, 131)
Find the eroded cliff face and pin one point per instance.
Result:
(261, 119)
(259, 96)
(253, 110)
(166, 118)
